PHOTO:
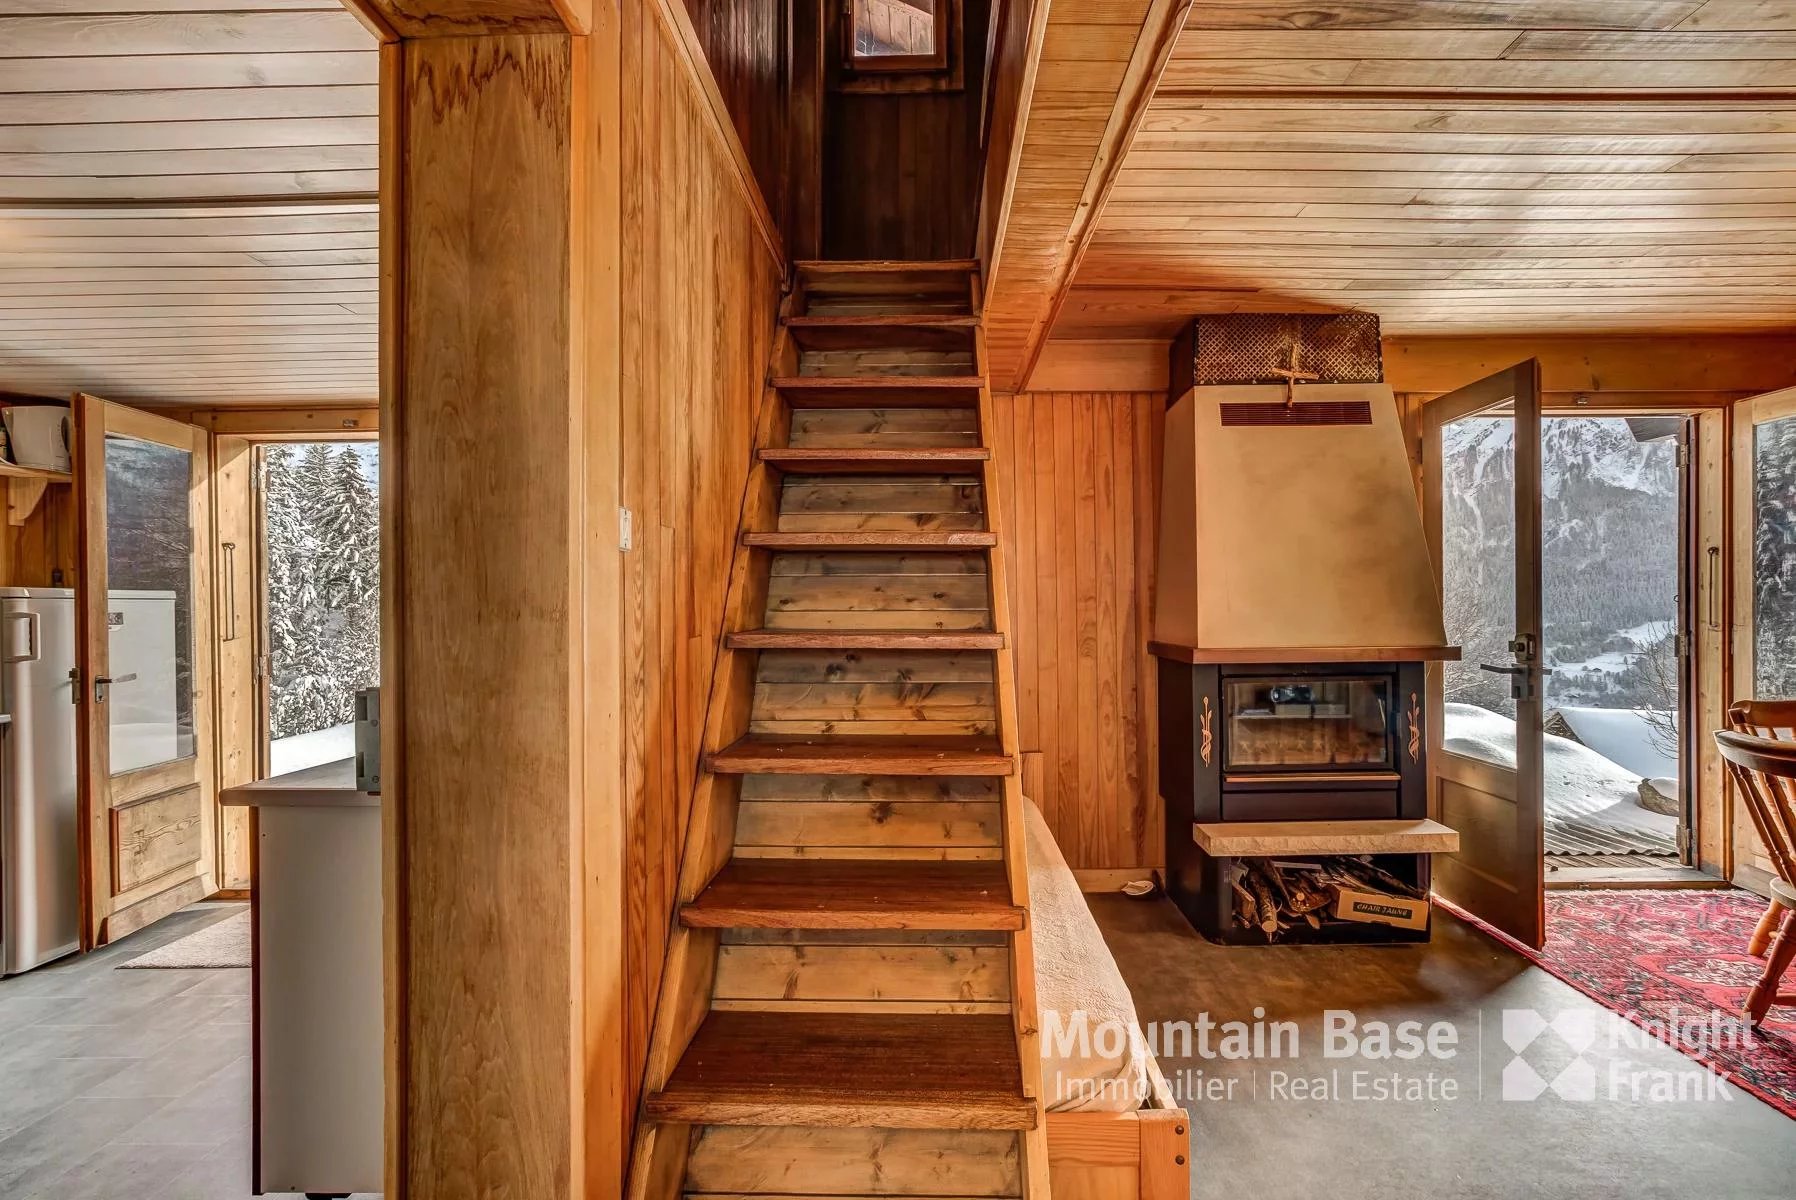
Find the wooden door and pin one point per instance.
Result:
(1481, 453)
(1764, 582)
(144, 650)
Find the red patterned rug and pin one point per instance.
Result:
(1674, 958)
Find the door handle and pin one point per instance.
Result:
(230, 590)
(103, 685)
(31, 635)
(1517, 669)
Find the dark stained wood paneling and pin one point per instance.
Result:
(745, 45)
(1078, 472)
(901, 173)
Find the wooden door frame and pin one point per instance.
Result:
(238, 508)
(1524, 786)
(106, 914)
(1745, 417)
(1711, 545)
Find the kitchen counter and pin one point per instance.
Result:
(317, 984)
(327, 785)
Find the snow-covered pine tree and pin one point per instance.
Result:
(322, 526)
(1774, 560)
(349, 562)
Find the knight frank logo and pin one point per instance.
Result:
(1549, 1054)
(1579, 1059)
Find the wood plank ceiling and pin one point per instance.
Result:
(1460, 166)
(187, 200)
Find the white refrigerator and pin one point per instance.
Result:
(40, 844)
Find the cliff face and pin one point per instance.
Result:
(1610, 525)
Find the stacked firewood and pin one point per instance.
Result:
(1275, 896)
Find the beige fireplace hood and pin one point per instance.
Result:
(1289, 530)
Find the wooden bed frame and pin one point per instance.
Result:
(1139, 1155)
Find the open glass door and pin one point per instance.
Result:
(144, 650)
(1481, 451)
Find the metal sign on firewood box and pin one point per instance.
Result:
(1287, 348)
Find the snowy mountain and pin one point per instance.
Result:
(1609, 509)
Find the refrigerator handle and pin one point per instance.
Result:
(31, 637)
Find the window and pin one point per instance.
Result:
(1774, 559)
(898, 35)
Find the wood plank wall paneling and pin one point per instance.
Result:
(1014, 51)
(1079, 474)
(700, 293)
(901, 172)
(746, 47)
(33, 552)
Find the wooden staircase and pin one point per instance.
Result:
(849, 1005)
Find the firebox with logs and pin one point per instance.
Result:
(1277, 897)
(1296, 800)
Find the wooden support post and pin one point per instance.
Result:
(501, 602)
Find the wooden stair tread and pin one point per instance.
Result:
(914, 460)
(801, 893)
(879, 391)
(887, 755)
(897, 383)
(848, 1069)
(838, 639)
(874, 320)
(939, 332)
(877, 539)
(856, 266)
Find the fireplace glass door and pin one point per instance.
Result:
(1307, 723)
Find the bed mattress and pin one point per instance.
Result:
(1094, 1058)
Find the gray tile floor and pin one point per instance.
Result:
(1264, 1141)
(126, 1085)
(134, 1085)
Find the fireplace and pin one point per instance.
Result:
(1276, 746)
(1296, 609)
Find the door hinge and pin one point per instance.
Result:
(261, 666)
(626, 529)
(1683, 839)
(1683, 455)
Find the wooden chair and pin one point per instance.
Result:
(1764, 769)
(1766, 719)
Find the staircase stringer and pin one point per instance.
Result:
(1025, 1010)
(659, 1149)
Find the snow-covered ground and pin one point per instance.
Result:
(1584, 789)
(310, 749)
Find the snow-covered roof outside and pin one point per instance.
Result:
(1581, 785)
(1624, 736)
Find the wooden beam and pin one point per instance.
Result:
(1051, 209)
(1695, 370)
(389, 20)
(499, 249)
